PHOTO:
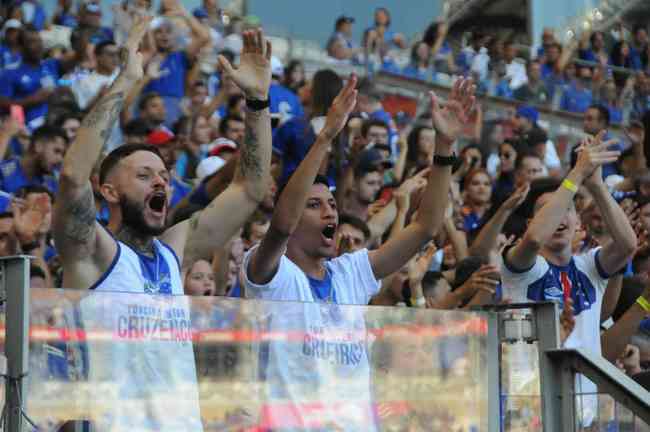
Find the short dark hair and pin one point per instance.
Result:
(258, 218)
(523, 154)
(223, 124)
(603, 112)
(99, 48)
(48, 133)
(326, 84)
(319, 179)
(366, 125)
(33, 189)
(355, 222)
(124, 151)
(466, 268)
(146, 98)
(137, 127)
(429, 281)
(538, 187)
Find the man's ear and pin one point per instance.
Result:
(109, 193)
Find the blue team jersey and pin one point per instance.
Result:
(291, 142)
(179, 190)
(412, 71)
(575, 100)
(13, 178)
(8, 58)
(172, 83)
(25, 80)
(284, 102)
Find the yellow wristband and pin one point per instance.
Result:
(645, 304)
(570, 185)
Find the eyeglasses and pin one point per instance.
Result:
(506, 155)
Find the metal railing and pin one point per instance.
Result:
(399, 343)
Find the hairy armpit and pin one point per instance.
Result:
(78, 224)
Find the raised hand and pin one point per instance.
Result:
(592, 155)
(418, 267)
(567, 320)
(130, 56)
(342, 106)
(486, 279)
(517, 198)
(457, 112)
(253, 75)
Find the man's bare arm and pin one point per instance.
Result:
(216, 224)
(86, 251)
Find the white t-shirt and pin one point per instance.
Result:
(587, 281)
(320, 377)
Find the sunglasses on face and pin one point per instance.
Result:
(505, 155)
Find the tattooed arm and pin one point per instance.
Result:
(212, 227)
(74, 228)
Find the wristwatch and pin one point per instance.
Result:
(445, 160)
(256, 104)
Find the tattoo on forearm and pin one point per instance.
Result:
(104, 115)
(249, 162)
(80, 221)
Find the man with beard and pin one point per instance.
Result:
(139, 253)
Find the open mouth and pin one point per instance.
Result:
(157, 202)
(329, 231)
(561, 229)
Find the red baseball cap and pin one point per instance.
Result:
(221, 145)
(160, 137)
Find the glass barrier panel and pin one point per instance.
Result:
(3, 358)
(600, 412)
(142, 362)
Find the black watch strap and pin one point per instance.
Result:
(256, 104)
(444, 160)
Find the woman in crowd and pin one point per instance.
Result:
(477, 192)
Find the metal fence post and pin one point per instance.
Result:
(494, 373)
(556, 383)
(16, 287)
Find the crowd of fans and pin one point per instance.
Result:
(523, 222)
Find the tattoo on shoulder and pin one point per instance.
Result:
(80, 223)
(249, 163)
(104, 114)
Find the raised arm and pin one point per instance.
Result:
(293, 199)
(550, 216)
(448, 123)
(614, 255)
(75, 230)
(200, 34)
(213, 226)
(486, 240)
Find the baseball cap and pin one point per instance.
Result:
(371, 160)
(11, 24)
(160, 137)
(528, 112)
(344, 19)
(92, 6)
(200, 13)
(221, 145)
(277, 68)
(208, 166)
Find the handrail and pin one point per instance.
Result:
(605, 375)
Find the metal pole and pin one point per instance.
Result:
(494, 373)
(556, 383)
(16, 286)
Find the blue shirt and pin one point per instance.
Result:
(503, 90)
(66, 20)
(575, 100)
(8, 58)
(25, 80)
(615, 114)
(175, 66)
(179, 190)
(285, 102)
(102, 34)
(412, 71)
(13, 178)
(291, 142)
